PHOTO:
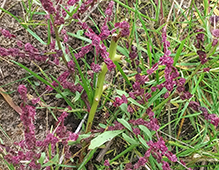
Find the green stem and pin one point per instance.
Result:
(100, 82)
(58, 39)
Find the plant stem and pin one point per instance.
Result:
(58, 39)
(100, 82)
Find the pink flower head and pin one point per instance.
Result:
(166, 166)
(73, 136)
(215, 41)
(95, 67)
(23, 92)
(110, 64)
(71, 65)
(213, 20)
(215, 33)
(109, 8)
(200, 36)
(35, 100)
(48, 6)
(7, 34)
(194, 105)
(202, 56)
(106, 163)
(136, 131)
(72, 2)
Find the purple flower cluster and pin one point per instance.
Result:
(24, 51)
(157, 150)
(48, 6)
(152, 124)
(6, 33)
(213, 118)
(95, 67)
(30, 146)
(119, 101)
(171, 72)
(201, 52)
(105, 32)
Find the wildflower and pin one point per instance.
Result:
(23, 92)
(206, 69)
(213, 20)
(215, 33)
(7, 34)
(106, 163)
(104, 32)
(71, 65)
(215, 41)
(200, 36)
(202, 56)
(140, 162)
(109, 8)
(136, 131)
(72, 2)
(165, 166)
(194, 105)
(109, 63)
(73, 136)
(48, 6)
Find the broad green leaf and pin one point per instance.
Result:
(104, 137)
(125, 123)
(143, 142)
(65, 93)
(146, 131)
(121, 92)
(135, 103)
(78, 95)
(42, 158)
(129, 139)
(124, 108)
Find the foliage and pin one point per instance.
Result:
(162, 78)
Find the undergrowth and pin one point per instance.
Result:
(164, 62)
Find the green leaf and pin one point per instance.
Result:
(121, 92)
(179, 52)
(80, 33)
(42, 158)
(129, 139)
(122, 73)
(53, 161)
(104, 137)
(78, 95)
(80, 137)
(124, 107)
(65, 93)
(135, 103)
(146, 131)
(125, 123)
(143, 142)
(10, 166)
(85, 84)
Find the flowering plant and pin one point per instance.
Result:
(151, 83)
